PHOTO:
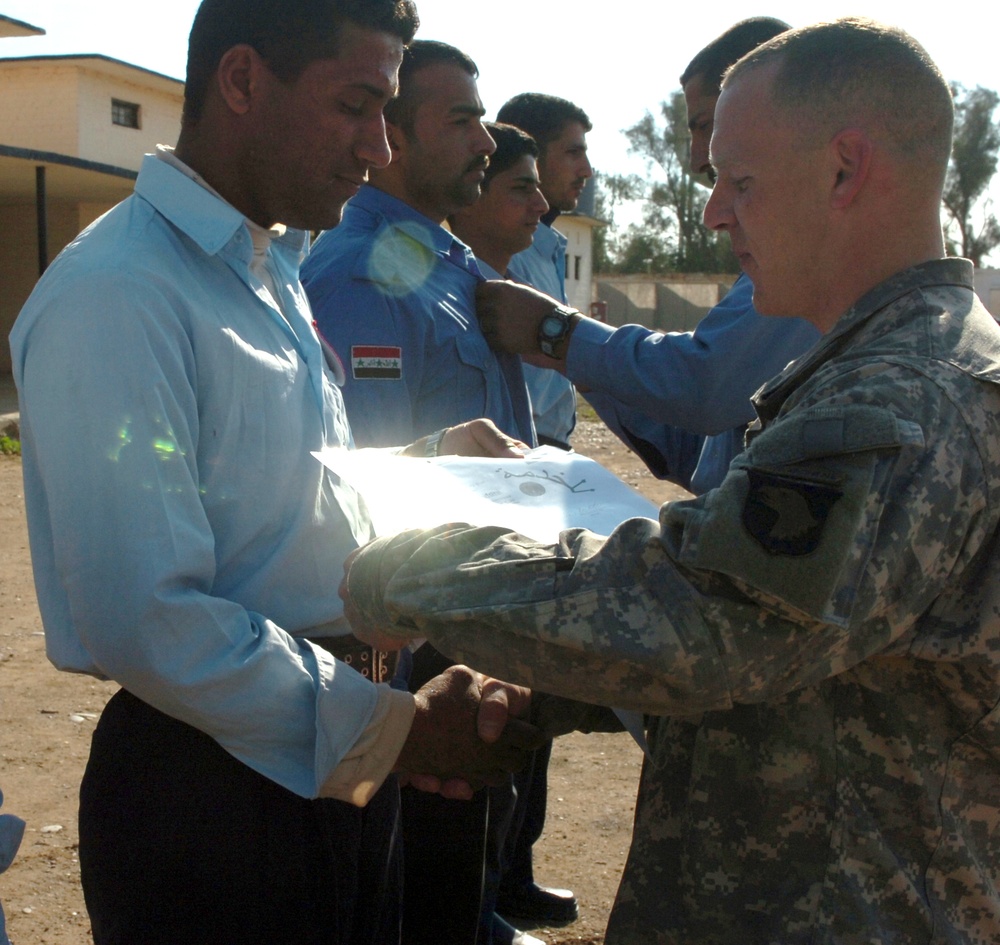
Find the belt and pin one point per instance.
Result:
(376, 665)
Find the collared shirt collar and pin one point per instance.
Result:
(421, 228)
(181, 200)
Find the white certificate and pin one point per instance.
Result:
(540, 495)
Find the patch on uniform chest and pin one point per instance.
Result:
(786, 516)
(376, 363)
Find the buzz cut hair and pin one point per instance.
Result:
(832, 75)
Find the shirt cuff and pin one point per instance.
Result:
(363, 769)
(584, 357)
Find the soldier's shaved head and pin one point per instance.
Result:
(855, 72)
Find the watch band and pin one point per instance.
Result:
(432, 446)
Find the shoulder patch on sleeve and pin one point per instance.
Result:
(800, 511)
(786, 515)
(376, 362)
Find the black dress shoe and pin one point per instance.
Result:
(531, 906)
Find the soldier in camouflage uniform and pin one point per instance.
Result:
(821, 633)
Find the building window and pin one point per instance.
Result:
(566, 268)
(576, 267)
(125, 114)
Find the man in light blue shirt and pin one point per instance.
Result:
(184, 541)
(560, 128)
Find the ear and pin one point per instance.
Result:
(238, 77)
(851, 154)
(396, 138)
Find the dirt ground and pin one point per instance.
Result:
(46, 720)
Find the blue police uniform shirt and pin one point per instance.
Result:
(682, 399)
(553, 397)
(394, 294)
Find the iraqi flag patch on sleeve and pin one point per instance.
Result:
(376, 363)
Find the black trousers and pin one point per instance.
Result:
(182, 843)
(457, 852)
(528, 820)
(444, 845)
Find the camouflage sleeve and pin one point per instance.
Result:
(555, 716)
(829, 537)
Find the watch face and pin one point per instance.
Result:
(552, 329)
(552, 326)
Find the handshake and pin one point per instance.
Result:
(468, 732)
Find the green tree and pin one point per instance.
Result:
(671, 237)
(611, 191)
(971, 229)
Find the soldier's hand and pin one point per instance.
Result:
(365, 630)
(445, 750)
(556, 715)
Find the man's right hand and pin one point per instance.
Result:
(480, 437)
(446, 741)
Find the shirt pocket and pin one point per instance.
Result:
(798, 514)
(479, 372)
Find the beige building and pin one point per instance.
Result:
(578, 228)
(73, 130)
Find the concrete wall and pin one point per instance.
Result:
(674, 303)
(64, 106)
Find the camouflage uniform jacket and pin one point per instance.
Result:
(821, 635)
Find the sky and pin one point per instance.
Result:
(616, 63)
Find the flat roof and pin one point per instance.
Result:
(11, 27)
(116, 67)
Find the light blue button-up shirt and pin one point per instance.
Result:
(180, 530)
(553, 398)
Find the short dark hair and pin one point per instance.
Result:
(288, 34)
(542, 116)
(512, 144)
(401, 111)
(711, 63)
(832, 75)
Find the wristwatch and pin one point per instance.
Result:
(554, 327)
(432, 445)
